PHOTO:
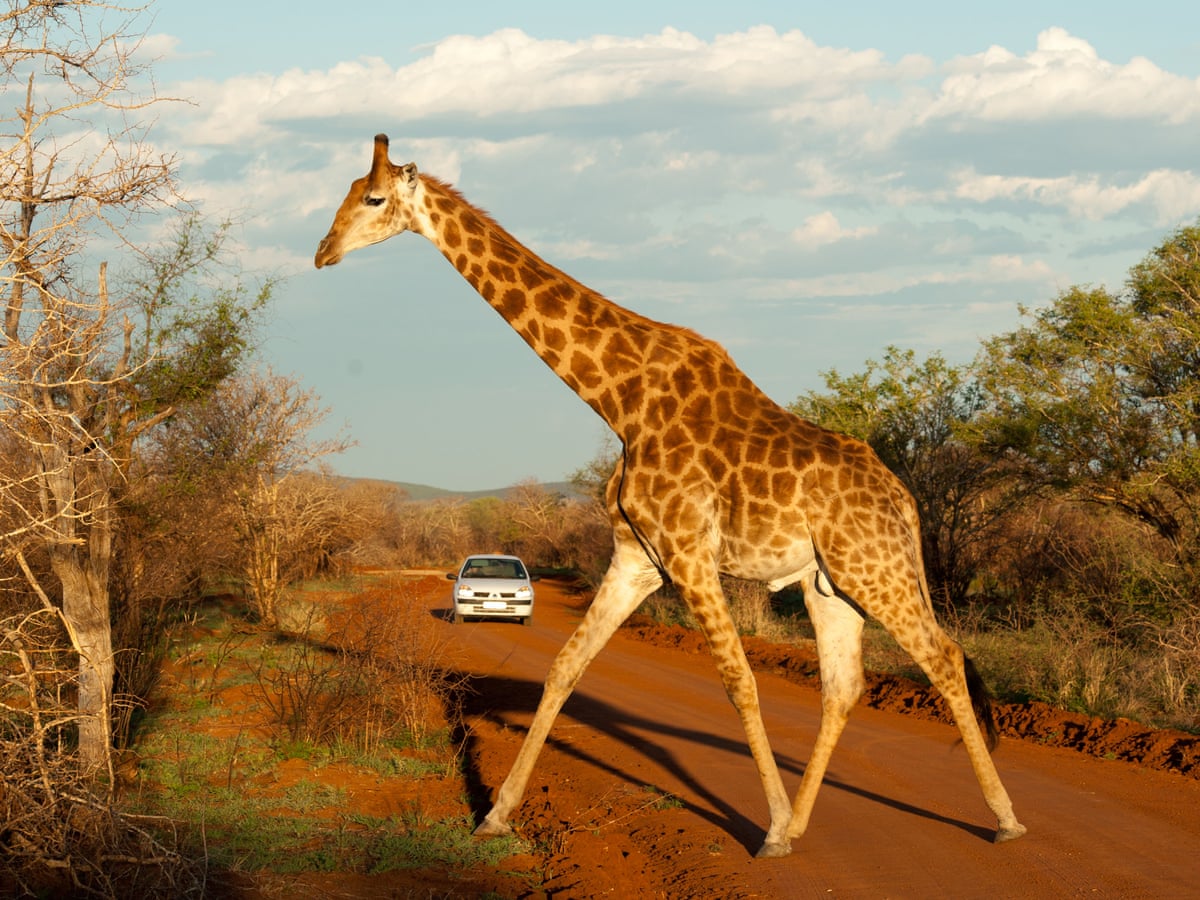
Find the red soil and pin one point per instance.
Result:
(646, 789)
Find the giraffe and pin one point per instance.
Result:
(714, 477)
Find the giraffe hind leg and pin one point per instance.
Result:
(955, 677)
(838, 628)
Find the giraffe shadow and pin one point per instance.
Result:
(498, 699)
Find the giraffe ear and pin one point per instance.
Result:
(408, 174)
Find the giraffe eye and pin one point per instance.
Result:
(373, 201)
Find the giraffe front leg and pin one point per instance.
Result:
(624, 586)
(743, 692)
(708, 604)
(564, 673)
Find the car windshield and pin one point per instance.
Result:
(493, 568)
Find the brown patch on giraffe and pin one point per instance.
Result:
(649, 455)
(784, 483)
(756, 450)
(585, 371)
(512, 304)
(707, 376)
(630, 396)
(452, 235)
(472, 224)
(505, 251)
(620, 353)
(531, 277)
(683, 383)
(715, 463)
(549, 303)
(587, 336)
(609, 408)
(501, 271)
(555, 339)
(754, 481)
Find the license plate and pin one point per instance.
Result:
(494, 604)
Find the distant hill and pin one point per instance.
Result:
(420, 492)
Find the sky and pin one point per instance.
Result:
(807, 184)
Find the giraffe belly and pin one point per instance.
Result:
(778, 570)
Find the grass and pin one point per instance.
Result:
(412, 841)
(210, 755)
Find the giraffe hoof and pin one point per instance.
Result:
(1011, 833)
(771, 850)
(490, 829)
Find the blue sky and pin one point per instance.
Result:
(805, 183)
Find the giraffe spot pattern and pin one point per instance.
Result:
(703, 446)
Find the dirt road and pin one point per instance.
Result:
(646, 788)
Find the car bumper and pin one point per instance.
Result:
(485, 607)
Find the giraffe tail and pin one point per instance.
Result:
(981, 700)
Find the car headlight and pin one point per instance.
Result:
(524, 592)
(466, 591)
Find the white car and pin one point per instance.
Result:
(490, 585)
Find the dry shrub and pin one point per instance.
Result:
(749, 606)
(1175, 672)
(62, 834)
(374, 673)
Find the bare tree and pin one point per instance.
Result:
(254, 433)
(84, 373)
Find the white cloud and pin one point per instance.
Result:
(667, 167)
(1172, 195)
(154, 47)
(1063, 77)
(510, 72)
(824, 228)
(991, 271)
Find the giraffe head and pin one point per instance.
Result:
(378, 206)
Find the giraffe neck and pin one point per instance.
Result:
(597, 347)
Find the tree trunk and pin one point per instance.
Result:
(81, 561)
(86, 610)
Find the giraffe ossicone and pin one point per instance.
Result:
(714, 477)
